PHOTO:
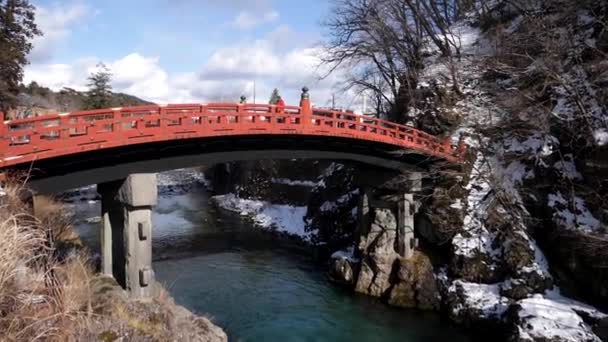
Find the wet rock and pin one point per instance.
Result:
(343, 268)
(341, 271)
(416, 286)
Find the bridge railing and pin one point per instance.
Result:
(54, 135)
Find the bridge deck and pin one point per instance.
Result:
(55, 135)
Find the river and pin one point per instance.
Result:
(256, 286)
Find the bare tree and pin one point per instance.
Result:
(381, 42)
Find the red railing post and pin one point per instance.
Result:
(305, 109)
(163, 120)
(4, 138)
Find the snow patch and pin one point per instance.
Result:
(567, 168)
(601, 137)
(536, 145)
(348, 254)
(484, 298)
(573, 215)
(284, 218)
(290, 182)
(476, 238)
(181, 177)
(543, 319)
(333, 205)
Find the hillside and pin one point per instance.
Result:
(35, 99)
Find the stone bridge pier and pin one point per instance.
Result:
(386, 262)
(126, 233)
(400, 198)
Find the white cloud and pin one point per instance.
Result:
(247, 19)
(227, 74)
(55, 23)
(136, 74)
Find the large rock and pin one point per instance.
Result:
(377, 246)
(415, 286)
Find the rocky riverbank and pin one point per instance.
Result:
(49, 289)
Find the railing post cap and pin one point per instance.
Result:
(305, 94)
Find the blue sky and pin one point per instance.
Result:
(185, 50)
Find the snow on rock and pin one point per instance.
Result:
(292, 182)
(539, 265)
(457, 204)
(473, 300)
(476, 237)
(348, 254)
(536, 145)
(331, 169)
(333, 205)
(182, 177)
(567, 169)
(601, 137)
(581, 308)
(284, 218)
(573, 215)
(543, 319)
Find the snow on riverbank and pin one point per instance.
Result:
(284, 218)
(292, 182)
(182, 177)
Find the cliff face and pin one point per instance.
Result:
(525, 220)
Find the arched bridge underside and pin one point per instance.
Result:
(120, 149)
(63, 151)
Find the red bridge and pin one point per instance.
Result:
(62, 144)
(120, 150)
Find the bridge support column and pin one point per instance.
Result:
(362, 214)
(126, 235)
(406, 208)
(406, 241)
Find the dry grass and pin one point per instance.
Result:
(41, 297)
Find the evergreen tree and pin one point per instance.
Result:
(17, 28)
(274, 97)
(100, 91)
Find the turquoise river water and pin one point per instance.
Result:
(258, 287)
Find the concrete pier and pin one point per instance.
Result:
(126, 234)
